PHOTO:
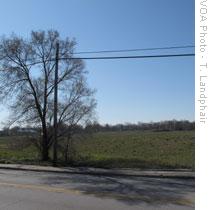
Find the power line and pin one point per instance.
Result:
(135, 50)
(118, 57)
(130, 57)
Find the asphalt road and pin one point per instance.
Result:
(24, 190)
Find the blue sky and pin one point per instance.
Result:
(127, 90)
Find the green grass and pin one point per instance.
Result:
(138, 150)
(17, 149)
(133, 149)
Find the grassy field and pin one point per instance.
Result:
(16, 149)
(133, 149)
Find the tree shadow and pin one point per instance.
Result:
(130, 190)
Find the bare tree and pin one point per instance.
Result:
(27, 83)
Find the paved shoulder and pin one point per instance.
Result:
(182, 173)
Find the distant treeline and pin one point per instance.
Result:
(170, 125)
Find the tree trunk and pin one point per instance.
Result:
(45, 153)
(67, 151)
(45, 148)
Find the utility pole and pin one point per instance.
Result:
(55, 105)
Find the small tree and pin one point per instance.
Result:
(27, 83)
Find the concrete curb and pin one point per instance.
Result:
(182, 173)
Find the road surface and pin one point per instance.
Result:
(27, 190)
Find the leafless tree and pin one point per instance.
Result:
(27, 83)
